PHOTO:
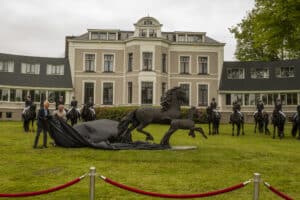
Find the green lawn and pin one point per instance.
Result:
(219, 161)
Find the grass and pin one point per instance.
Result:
(220, 161)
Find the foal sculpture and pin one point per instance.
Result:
(185, 124)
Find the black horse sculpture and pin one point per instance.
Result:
(73, 115)
(186, 124)
(29, 116)
(278, 121)
(213, 117)
(87, 114)
(237, 119)
(296, 123)
(262, 120)
(142, 117)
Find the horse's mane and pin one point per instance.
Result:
(166, 99)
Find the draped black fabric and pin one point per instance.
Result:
(99, 134)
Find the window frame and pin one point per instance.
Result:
(207, 65)
(234, 68)
(143, 61)
(84, 62)
(254, 70)
(102, 93)
(189, 64)
(113, 62)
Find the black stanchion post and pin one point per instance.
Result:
(92, 182)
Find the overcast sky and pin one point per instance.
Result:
(39, 27)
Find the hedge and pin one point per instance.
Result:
(117, 113)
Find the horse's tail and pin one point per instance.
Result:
(125, 121)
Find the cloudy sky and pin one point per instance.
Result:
(38, 27)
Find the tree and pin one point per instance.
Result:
(270, 31)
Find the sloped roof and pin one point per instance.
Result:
(272, 83)
(16, 78)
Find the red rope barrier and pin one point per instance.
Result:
(28, 194)
(174, 196)
(277, 192)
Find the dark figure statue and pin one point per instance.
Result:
(142, 117)
(278, 120)
(73, 114)
(296, 123)
(29, 116)
(237, 119)
(213, 117)
(88, 112)
(261, 119)
(186, 124)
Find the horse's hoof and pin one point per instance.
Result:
(149, 137)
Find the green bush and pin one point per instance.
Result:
(117, 113)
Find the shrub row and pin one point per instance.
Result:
(117, 113)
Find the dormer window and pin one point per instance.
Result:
(285, 72)
(143, 32)
(147, 22)
(112, 36)
(6, 66)
(27, 68)
(152, 33)
(55, 69)
(181, 38)
(102, 36)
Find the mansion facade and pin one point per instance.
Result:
(116, 67)
(134, 68)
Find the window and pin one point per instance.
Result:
(152, 33)
(15, 95)
(193, 38)
(147, 61)
(27, 68)
(147, 22)
(88, 91)
(164, 63)
(95, 36)
(184, 64)
(163, 88)
(237, 98)
(143, 32)
(203, 65)
(147, 93)
(4, 94)
(130, 62)
(202, 95)
(181, 38)
(235, 73)
(108, 63)
(291, 99)
(55, 69)
(249, 99)
(37, 96)
(186, 89)
(259, 73)
(6, 66)
(9, 115)
(112, 36)
(270, 99)
(108, 93)
(103, 36)
(89, 62)
(228, 99)
(285, 72)
(129, 88)
(53, 96)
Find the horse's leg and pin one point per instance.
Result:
(192, 133)
(165, 140)
(201, 131)
(140, 128)
(209, 131)
(232, 129)
(255, 126)
(238, 129)
(243, 132)
(274, 130)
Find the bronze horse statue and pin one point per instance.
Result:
(185, 124)
(142, 117)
